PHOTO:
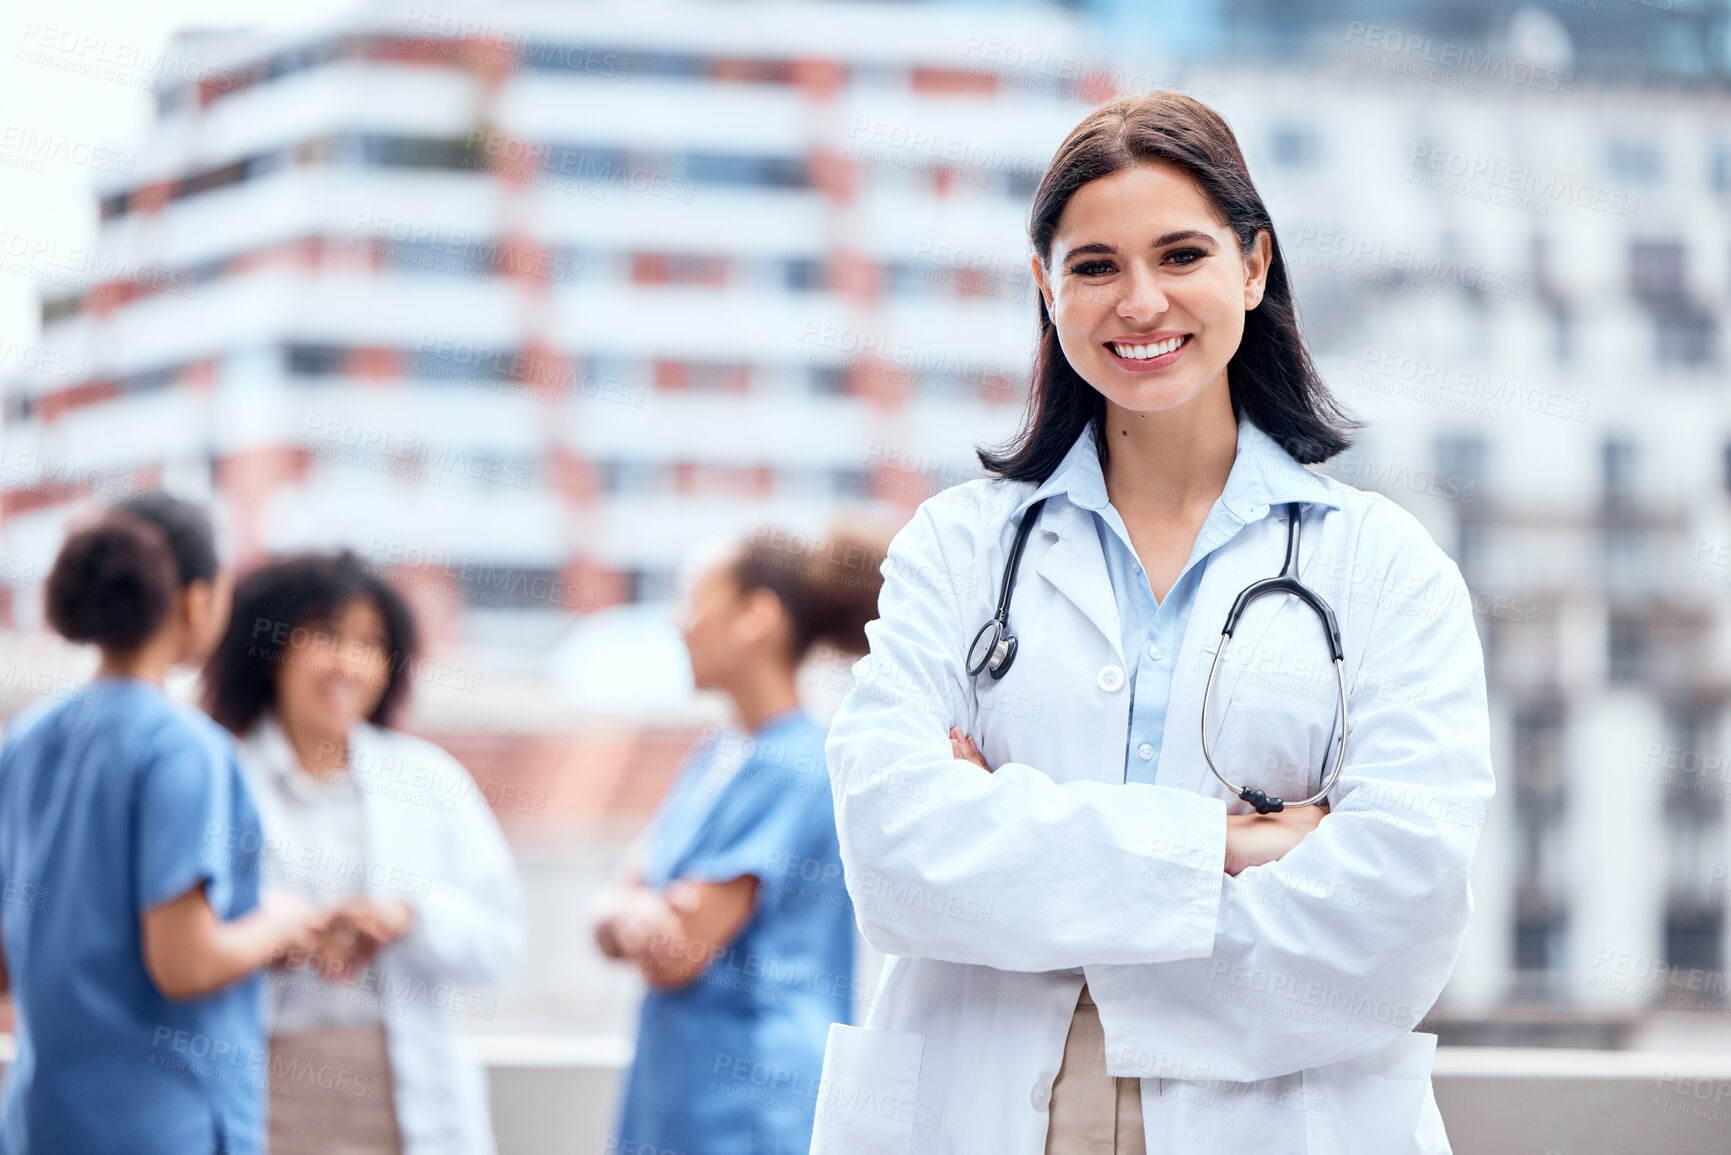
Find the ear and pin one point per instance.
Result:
(192, 608)
(195, 603)
(1040, 280)
(762, 614)
(1256, 266)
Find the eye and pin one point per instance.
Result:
(1091, 268)
(1184, 257)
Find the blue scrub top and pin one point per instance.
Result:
(729, 1063)
(112, 803)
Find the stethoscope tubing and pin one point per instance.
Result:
(995, 658)
(1287, 583)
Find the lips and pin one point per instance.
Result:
(1145, 354)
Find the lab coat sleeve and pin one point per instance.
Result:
(1345, 943)
(469, 923)
(1008, 869)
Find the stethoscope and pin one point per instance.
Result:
(994, 647)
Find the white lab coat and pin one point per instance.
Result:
(429, 836)
(1270, 1012)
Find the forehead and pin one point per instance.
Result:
(706, 562)
(358, 612)
(1149, 198)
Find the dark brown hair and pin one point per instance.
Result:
(299, 594)
(1270, 377)
(114, 583)
(827, 586)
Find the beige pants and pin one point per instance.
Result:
(1093, 1113)
(330, 1093)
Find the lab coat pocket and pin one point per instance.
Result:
(1374, 1104)
(866, 1097)
(1275, 743)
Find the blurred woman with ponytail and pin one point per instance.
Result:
(733, 907)
(126, 823)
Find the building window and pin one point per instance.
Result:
(1628, 651)
(1656, 269)
(1685, 333)
(1541, 910)
(1695, 845)
(1688, 338)
(1636, 162)
(1549, 295)
(1460, 459)
(1293, 147)
(1460, 474)
(1617, 466)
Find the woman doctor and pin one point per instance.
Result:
(1094, 946)
(310, 677)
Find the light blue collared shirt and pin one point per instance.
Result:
(1263, 475)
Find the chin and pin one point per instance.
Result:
(1153, 398)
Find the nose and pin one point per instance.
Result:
(679, 616)
(351, 663)
(1142, 299)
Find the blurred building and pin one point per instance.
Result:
(1521, 281)
(521, 302)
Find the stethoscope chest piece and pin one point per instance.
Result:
(993, 650)
(994, 647)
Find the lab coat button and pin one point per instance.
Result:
(1042, 1096)
(1111, 678)
(1154, 651)
(1145, 751)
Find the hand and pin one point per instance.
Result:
(1253, 839)
(297, 924)
(602, 908)
(359, 928)
(684, 897)
(962, 746)
(629, 918)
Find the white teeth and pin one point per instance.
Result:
(1144, 352)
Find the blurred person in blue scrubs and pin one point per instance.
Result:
(732, 906)
(311, 676)
(132, 933)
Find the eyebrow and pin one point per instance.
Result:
(1160, 242)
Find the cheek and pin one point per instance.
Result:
(377, 674)
(1217, 301)
(1076, 317)
(1225, 331)
(294, 680)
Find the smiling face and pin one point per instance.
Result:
(333, 673)
(1148, 288)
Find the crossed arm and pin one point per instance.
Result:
(1251, 839)
(1363, 914)
(672, 937)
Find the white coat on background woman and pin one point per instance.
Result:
(1256, 979)
(315, 666)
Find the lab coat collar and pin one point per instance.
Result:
(270, 745)
(1263, 475)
